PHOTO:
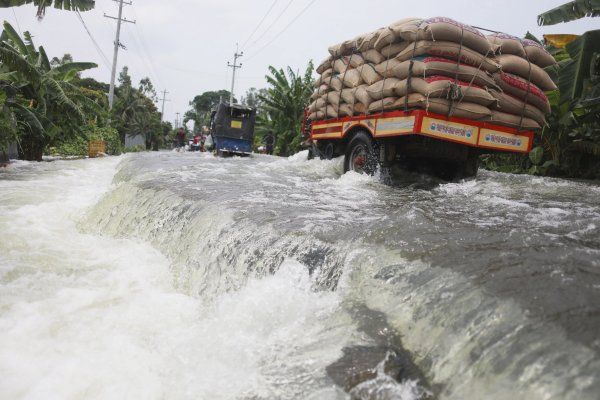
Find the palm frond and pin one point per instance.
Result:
(570, 11)
(58, 94)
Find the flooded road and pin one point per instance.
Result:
(185, 276)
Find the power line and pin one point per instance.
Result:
(147, 53)
(272, 24)
(98, 48)
(17, 21)
(283, 30)
(259, 24)
(142, 62)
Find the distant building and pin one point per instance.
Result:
(12, 153)
(134, 140)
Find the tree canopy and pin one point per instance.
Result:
(202, 105)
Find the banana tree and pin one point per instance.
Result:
(71, 5)
(284, 102)
(46, 103)
(572, 137)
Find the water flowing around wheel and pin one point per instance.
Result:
(185, 276)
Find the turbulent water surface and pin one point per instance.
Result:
(184, 276)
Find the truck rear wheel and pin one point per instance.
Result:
(470, 166)
(361, 155)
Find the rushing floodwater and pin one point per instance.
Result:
(184, 276)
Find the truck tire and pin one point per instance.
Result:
(329, 151)
(361, 154)
(471, 166)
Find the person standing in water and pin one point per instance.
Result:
(181, 137)
(269, 141)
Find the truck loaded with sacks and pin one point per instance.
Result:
(428, 95)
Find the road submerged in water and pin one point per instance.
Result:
(185, 276)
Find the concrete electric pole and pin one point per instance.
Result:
(111, 91)
(162, 110)
(235, 66)
(177, 121)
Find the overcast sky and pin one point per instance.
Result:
(184, 45)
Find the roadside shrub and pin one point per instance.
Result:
(78, 146)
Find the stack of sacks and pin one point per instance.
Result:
(437, 64)
(522, 80)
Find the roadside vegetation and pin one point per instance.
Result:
(46, 107)
(569, 145)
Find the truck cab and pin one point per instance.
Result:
(232, 129)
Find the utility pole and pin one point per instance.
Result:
(177, 121)
(235, 66)
(164, 98)
(111, 91)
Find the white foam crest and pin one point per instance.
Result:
(300, 162)
(88, 316)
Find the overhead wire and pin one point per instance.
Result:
(259, 24)
(273, 23)
(144, 48)
(97, 47)
(142, 63)
(135, 57)
(282, 31)
(17, 21)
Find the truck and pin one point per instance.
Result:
(413, 140)
(232, 129)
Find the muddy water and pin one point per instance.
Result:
(186, 276)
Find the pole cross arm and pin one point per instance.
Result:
(122, 19)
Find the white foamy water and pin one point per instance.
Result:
(185, 276)
(84, 316)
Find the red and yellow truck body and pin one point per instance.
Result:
(476, 134)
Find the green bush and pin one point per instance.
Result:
(109, 135)
(78, 146)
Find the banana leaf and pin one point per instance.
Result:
(570, 11)
(73, 66)
(71, 5)
(11, 34)
(579, 79)
(28, 117)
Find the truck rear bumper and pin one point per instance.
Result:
(234, 146)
